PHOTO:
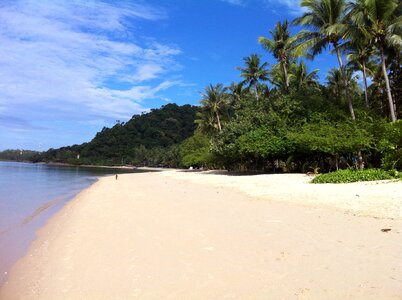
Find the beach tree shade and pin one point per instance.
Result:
(381, 21)
(279, 46)
(334, 138)
(325, 20)
(254, 71)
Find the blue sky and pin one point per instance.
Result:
(69, 68)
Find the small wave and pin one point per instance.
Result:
(41, 209)
(32, 216)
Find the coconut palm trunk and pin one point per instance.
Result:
(365, 83)
(390, 101)
(256, 92)
(218, 121)
(285, 72)
(347, 94)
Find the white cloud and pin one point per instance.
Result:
(276, 6)
(293, 6)
(234, 2)
(63, 60)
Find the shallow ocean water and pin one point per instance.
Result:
(29, 195)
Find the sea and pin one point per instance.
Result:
(29, 195)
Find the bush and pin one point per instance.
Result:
(353, 175)
(391, 146)
(195, 151)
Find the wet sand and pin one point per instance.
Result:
(174, 235)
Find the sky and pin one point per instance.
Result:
(69, 68)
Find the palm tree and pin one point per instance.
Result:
(236, 92)
(381, 21)
(303, 78)
(205, 121)
(336, 82)
(359, 51)
(299, 76)
(277, 78)
(254, 71)
(214, 102)
(326, 19)
(279, 46)
(358, 57)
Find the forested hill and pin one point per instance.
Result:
(147, 139)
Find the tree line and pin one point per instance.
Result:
(149, 139)
(281, 117)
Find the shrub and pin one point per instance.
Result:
(353, 175)
(391, 146)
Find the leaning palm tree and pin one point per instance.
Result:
(326, 19)
(279, 46)
(381, 20)
(254, 71)
(205, 121)
(214, 103)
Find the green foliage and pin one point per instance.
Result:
(353, 175)
(149, 139)
(214, 109)
(195, 151)
(391, 146)
(18, 155)
(263, 143)
(330, 137)
(254, 71)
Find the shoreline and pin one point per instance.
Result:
(24, 232)
(195, 224)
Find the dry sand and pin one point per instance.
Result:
(174, 235)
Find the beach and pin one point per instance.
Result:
(201, 235)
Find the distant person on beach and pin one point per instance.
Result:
(117, 176)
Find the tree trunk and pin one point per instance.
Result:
(285, 72)
(254, 87)
(360, 162)
(365, 83)
(345, 82)
(390, 101)
(219, 121)
(337, 162)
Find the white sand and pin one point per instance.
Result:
(175, 235)
(382, 199)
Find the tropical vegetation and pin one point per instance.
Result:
(353, 175)
(281, 117)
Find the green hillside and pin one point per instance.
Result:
(147, 139)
